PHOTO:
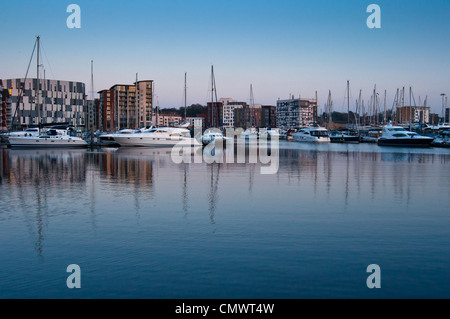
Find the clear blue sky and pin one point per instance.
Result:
(281, 47)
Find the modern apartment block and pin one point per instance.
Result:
(295, 113)
(54, 101)
(414, 114)
(168, 119)
(120, 107)
(228, 111)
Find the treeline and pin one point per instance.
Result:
(191, 111)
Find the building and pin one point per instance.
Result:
(215, 115)
(229, 105)
(447, 115)
(269, 116)
(145, 102)
(53, 102)
(105, 111)
(434, 119)
(196, 122)
(168, 119)
(418, 114)
(118, 107)
(295, 113)
(92, 119)
(249, 116)
(5, 108)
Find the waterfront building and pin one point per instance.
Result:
(269, 116)
(119, 108)
(413, 114)
(215, 114)
(5, 108)
(295, 113)
(54, 101)
(92, 122)
(447, 115)
(196, 122)
(229, 106)
(168, 119)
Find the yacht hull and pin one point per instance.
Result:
(33, 142)
(155, 141)
(405, 142)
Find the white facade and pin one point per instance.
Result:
(229, 105)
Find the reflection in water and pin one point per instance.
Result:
(39, 184)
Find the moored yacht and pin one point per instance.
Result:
(211, 136)
(312, 134)
(57, 136)
(157, 137)
(399, 136)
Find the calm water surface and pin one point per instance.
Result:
(141, 226)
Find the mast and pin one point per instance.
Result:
(348, 104)
(384, 118)
(91, 111)
(185, 95)
(317, 109)
(410, 108)
(251, 105)
(36, 120)
(136, 102)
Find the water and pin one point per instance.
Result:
(141, 226)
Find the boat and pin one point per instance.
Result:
(372, 135)
(55, 137)
(442, 140)
(273, 132)
(211, 136)
(312, 134)
(399, 136)
(157, 137)
(107, 139)
(343, 137)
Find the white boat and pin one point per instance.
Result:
(157, 137)
(442, 140)
(55, 137)
(250, 133)
(32, 131)
(371, 136)
(312, 134)
(399, 136)
(211, 136)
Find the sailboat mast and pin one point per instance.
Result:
(37, 83)
(185, 95)
(251, 105)
(136, 102)
(384, 117)
(348, 104)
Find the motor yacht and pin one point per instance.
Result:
(157, 137)
(312, 134)
(54, 137)
(399, 136)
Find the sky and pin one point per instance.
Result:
(281, 48)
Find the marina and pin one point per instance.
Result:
(224, 158)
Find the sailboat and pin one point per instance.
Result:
(57, 136)
(345, 136)
(251, 132)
